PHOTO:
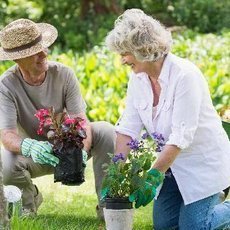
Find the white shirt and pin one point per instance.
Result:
(186, 118)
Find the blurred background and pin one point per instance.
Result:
(84, 23)
(201, 31)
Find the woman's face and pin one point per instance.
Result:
(129, 59)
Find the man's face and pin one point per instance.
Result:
(35, 64)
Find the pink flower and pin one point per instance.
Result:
(40, 131)
(41, 114)
(69, 121)
(81, 123)
(48, 122)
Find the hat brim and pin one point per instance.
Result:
(49, 35)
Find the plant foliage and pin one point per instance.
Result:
(125, 176)
(60, 128)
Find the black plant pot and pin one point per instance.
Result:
(118, 203)
(70, 170)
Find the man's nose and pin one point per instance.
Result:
(44, 52)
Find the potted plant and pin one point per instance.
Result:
(124, 176)
(67, 135)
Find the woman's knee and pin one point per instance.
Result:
(162, 223)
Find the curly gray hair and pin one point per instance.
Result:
(139, 34)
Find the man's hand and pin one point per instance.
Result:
(147, 192)
(39, 151)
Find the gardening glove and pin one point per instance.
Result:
(104, 193)
(84, 157)
(39, 151)
(147, 192)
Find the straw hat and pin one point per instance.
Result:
(23, 38)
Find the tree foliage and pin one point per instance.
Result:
(85, 23)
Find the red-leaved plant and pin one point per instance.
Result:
(60, 128)
(67, 135)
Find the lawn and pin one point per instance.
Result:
(73, 208)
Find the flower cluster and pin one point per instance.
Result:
(61, 128)
(118, 157)
(43, 117)
(159, 139)
(126, 174)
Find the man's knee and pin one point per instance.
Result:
(19, 177)
(103, 133)
(14, 170)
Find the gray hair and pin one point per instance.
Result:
(139, 34)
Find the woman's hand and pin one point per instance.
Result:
(145, 194)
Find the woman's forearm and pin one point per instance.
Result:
(121, 144)
(166, 158)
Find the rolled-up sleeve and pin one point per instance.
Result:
(186, 109)
(130, 123)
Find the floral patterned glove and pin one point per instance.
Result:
(147, 192)
(39, 151)
(84, 157)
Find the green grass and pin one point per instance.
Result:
(73, 208)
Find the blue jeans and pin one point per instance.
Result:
(169, 211)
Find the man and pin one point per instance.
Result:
(32, 84)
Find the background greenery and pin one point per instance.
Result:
(104, 80)
(84, 23)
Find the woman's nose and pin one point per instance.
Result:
(123, 60)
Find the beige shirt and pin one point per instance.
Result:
(19, 101)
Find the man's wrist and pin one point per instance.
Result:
(26, 146)
(85, 151)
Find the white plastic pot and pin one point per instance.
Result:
(13, 197)
(116, 219)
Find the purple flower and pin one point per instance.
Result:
(134, 144)
(158, 137)
(118, 157)
(145, 136)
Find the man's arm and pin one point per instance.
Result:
(11, 140)
(39, 151)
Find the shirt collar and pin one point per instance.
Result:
(164, 75)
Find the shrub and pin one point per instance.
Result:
(203, 15)
(104, 80)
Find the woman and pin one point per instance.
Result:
(169, 95)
